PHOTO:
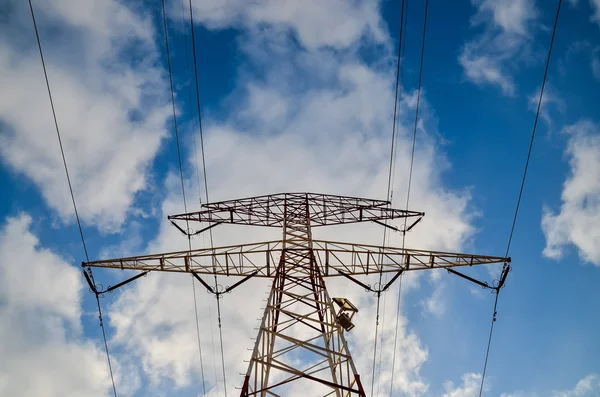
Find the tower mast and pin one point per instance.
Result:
(300, 321)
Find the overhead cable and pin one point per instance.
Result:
(199, 186)
(512, 229)
(393, 155)
(176, 129)
(62, 152)
(206, 189)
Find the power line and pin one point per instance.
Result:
(164, 14)
(199, 185)
(393, 153)
(188, 69)
(206, 191)
(173, 106)
(412, 158)
(399, 296)
(62, 152)
(512, 229)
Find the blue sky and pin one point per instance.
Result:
(299, 97)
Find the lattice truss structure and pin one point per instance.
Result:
(301, 337)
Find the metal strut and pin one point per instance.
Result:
(299, 320)
(94, 289)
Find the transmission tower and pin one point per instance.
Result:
(301, 336)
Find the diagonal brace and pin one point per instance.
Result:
(208, 287)
(365, 286)
(385, 288)
(481, 283)
(248, 277)
(114, 287)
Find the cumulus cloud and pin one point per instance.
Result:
(575, 222)
(43, 351)
(335, 24)
(110, 100)
(468, 388)
(507, 31)
(587, 387)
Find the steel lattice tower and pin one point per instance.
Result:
(301, 337)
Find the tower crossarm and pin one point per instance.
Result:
(362, 259)
(269, 210)
(261, 259)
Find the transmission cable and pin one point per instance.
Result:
(408, 191)
(206, 192)
(506, 267)
(199, 186)
(164, 15)
(393, 158)
(189, 71)
(389, 195)
(62, 152)
(412, 158)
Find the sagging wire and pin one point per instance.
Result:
(206, 192)
(389, 194)
(412, 157)
(199, 186)
(176, 129)
(62, 152)
(506, 267)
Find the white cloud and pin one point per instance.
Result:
(468, 388)
(510, 16)
(436, 303)
(110, 100)
(589, 386)
(43, 352)
(490, 57)
(576, 222)
(337, 23)
(595, 4)
(585, 387)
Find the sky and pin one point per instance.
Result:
(295, 97)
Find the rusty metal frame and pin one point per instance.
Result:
(268, 210)
(331, 257)
(298, 303)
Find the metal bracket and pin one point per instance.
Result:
(365, 286)
(89, 281)
(481, 283)
(114, 287)
(385, 288)
(188, 234)
(179, 228)
(408, 229)
(413, 225)
(228, 289)
(205, 229)
(386, 225)
(208, 287)
(505, 270)
(248, 277)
